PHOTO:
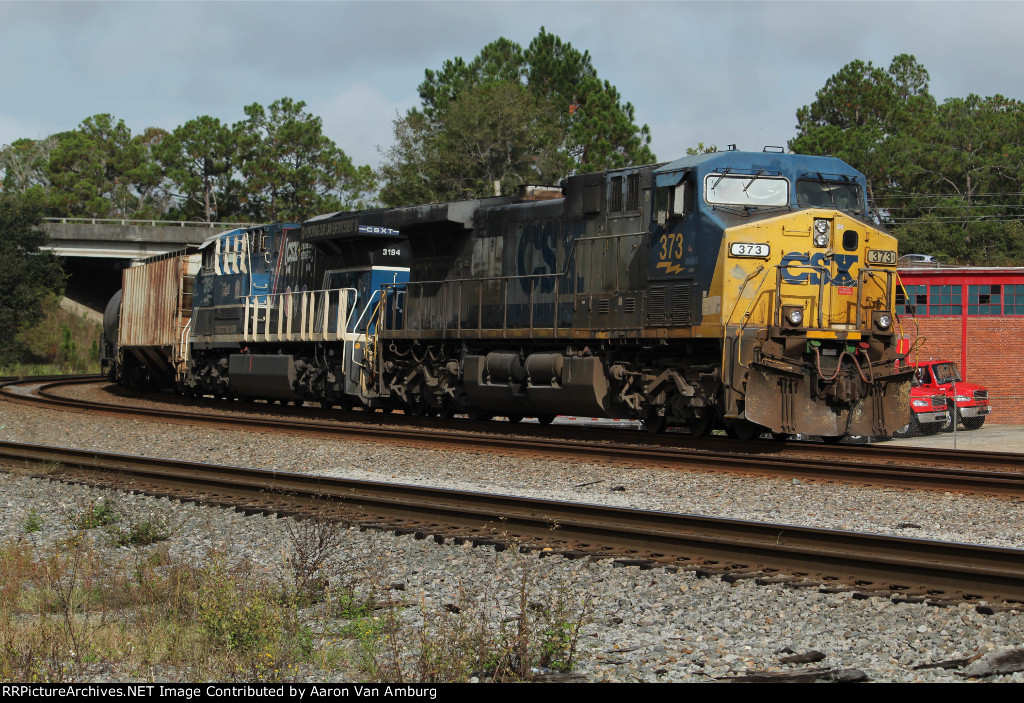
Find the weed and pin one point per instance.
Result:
(139, 531)
(463, 640)
(62, 342)
(312, 543)
(96, 515)
(347, 603)
(33, 523)
(237, 618)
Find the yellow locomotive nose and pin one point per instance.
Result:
(811, 318)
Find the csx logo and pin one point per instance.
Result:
(810, 269)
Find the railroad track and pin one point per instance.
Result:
(871, 565)
(904, 467)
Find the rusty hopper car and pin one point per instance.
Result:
(155, 312)
(745, 290)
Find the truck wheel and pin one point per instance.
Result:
(953, 417)
(910, 429)
(973, 423)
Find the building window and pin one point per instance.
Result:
(984, 300)
(912, 300)
(945, 300)
(1013, 299)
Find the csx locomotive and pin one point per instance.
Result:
(743, 290)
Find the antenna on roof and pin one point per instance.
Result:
(731, 147)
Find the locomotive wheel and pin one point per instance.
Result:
(546, 419)
(701, 427)
(446, 411)
(654, 424)
(479, 415)
(743, 430)
(514, 418)
(418, 409)
(973, 423)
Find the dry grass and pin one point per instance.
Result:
(77, 610)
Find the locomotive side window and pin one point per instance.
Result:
(752, 190)
(673, 201)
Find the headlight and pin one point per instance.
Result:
(795, 317)
(884, 322)
(920, 403)
(964, 399)
(821, 232)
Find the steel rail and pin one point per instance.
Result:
(941, 569)
(766, 458)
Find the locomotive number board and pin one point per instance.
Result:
(881, 256)
(757, 251)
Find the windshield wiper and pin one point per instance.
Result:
(724, 174)
(756, 176)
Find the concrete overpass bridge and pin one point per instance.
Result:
(94, 251)
(127, 240)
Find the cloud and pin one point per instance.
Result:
(359, 119)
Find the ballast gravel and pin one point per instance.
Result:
(642, 625)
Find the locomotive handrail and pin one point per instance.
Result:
(746, 313)
(886, 290)
(312, 315)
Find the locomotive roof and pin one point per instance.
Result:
(793, 165)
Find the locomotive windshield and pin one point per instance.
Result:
(746, 190)
(831, 194)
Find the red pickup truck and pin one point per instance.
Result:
(968, 405)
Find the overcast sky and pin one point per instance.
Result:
(713, 72)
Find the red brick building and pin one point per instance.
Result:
(975, 317)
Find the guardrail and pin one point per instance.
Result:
(150, 223)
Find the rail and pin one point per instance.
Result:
(874, 564)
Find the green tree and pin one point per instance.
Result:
(859, 113)
(495, 133)
(574, 122)
(201, 158)
(947, 177)
(964, 169)
(101, 170)
(23, 165)
(291, 169)
(28, 273)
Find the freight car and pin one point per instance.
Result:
(748, 290)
